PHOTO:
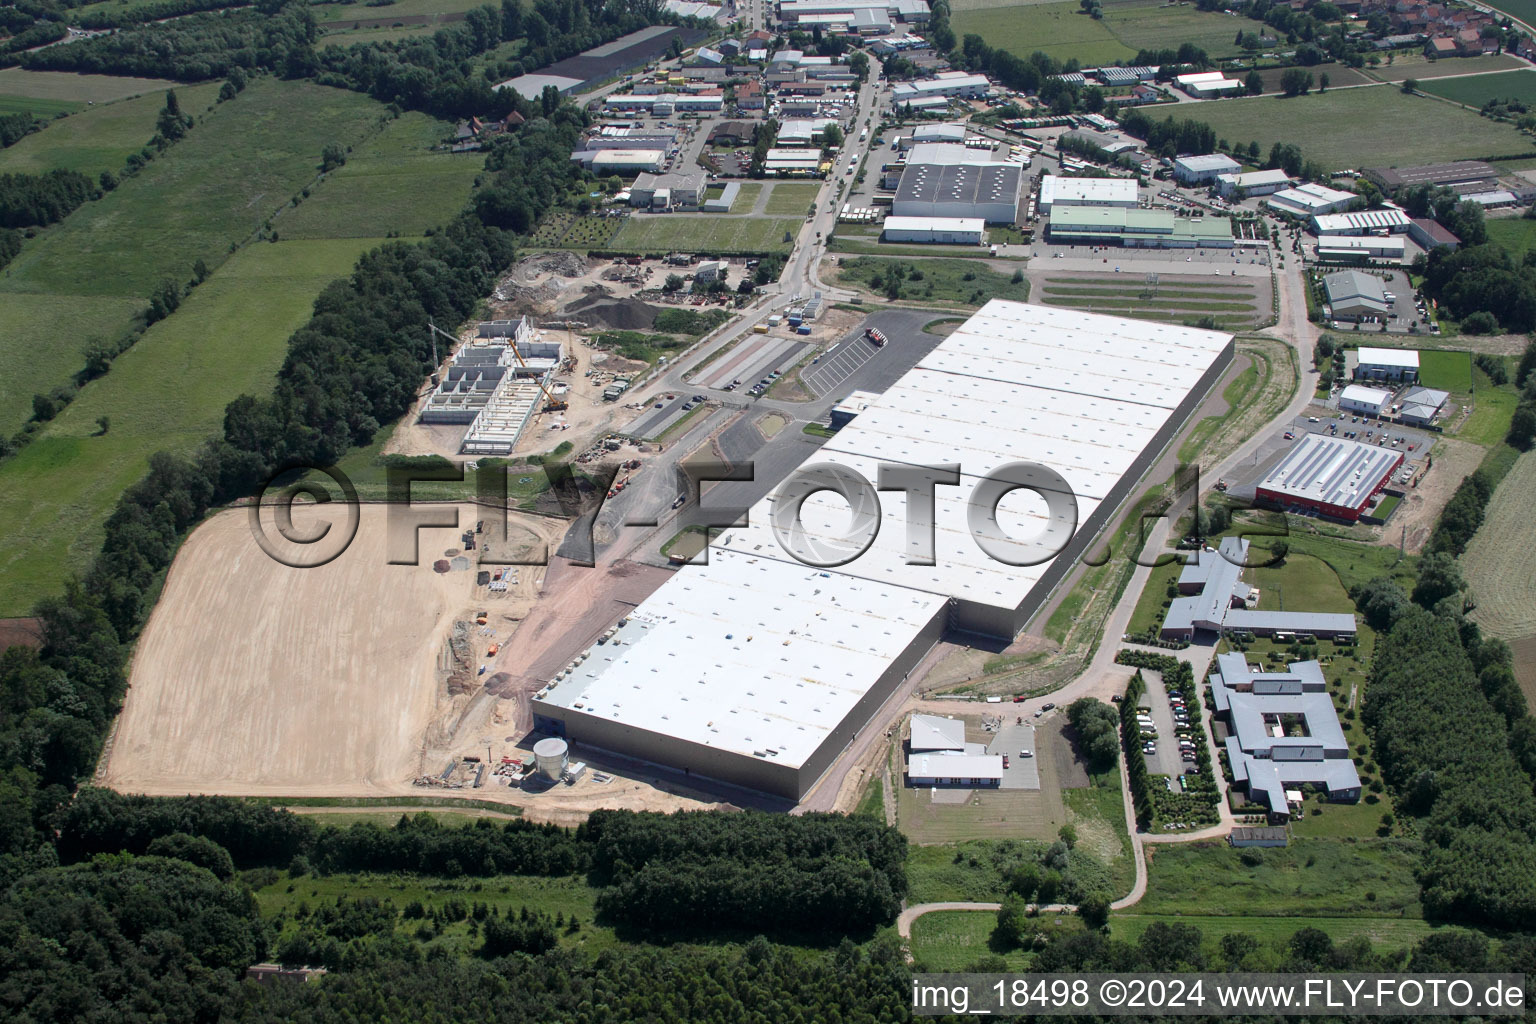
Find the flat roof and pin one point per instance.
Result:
(531, 87)
(1331, 470)
(955, 766)
(1435, 174)
(1098, 388)
(1056, 190)
(940, 83)
(933, 732)
(959, 183)
(748, 654)
(1364, 220)
(1254, 178)
(1211, 161)
(1124, 222)
(934, 224)
(1406, 358)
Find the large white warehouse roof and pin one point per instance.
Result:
(1087, 191)
(748, 655)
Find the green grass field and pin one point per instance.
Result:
(390, 182)
(327, 13)
(1231, 302)
(1494, 408)
(1525, 10)
(958, 282)
(1479, 89)
(1446, 369)
(1338, 74)
(1311, 877)
(99, 138)
(1063, 31)
(1416, 66)
(1517, 234)
(1336, 127)
(1302, 583)
(951, 940)
(37, 107)
(69, 91)
(198, 200)
(687, 232)
(168, 392)
(790, 200)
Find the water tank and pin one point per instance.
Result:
(550, 756)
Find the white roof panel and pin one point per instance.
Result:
(748, 654)
(1404, 357)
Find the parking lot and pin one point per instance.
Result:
(1011, 740)
(839, 363)
(1168, 757)
(1415, 446)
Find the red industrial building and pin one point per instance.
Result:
(1331, 476)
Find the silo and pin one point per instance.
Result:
(550, 756)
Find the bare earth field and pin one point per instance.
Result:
(256, 678)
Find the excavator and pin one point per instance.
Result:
(551, 403)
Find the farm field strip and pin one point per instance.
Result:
(1423, 69)
(1335, 127)
(1500, 563)
(790, 200)
(57, 492)
(100, 138)
(76, 90)
(1476, 90)
(705, 233)
(1063, 30)
(195, 201)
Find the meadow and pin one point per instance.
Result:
(1232, 302)
(688, 232)
(1336, 127)
(326, 14)
(59, 92)
(391, 182)
(199, 200)
(959, 282)
(99, 138)
(1063, 31)
(167, 393)
(1446, 369)
(1517, 234)
(1500, 563)
(1405, 66)
(791, 200)
(1475, 90)
(229, 337)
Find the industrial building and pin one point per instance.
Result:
(494, 387)
(1428, 234)
(1420, 406)
(1353, 295)
(796, 12)
(1201, 170)
(1206, 85)
(1363, 222)
(1463, 176)
(725, 200)
(1332, 476)
(947, 230)
(1112, 145)
(1058, 191)
(1359, 248)
(1154, 229)
(953, 133)
(1283, 733)
(843, 412)
(1399, 364)
(1357, 398)
(938, 755)
(1254, 183)
(944, 85)
(976, 191)
(683, 191)
(573, 74)
(622, 161)
(793, 161)
(1309, 200)
(1215, 600)
(759, 667)
(671, 101)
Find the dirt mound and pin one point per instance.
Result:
(536, 282)
(615, 314)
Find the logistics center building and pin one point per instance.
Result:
(1330, 475)
(758, 668)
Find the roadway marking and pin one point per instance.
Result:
(840, 363)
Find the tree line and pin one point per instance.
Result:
(1482, 281)
(37, 200)
(15, 127)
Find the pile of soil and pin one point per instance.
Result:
(616, 314)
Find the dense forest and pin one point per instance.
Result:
(36, 200)
(1483, 282)
(431, 73)
(15, 127)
